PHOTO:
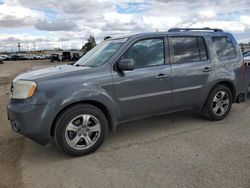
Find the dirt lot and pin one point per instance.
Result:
(176, 150)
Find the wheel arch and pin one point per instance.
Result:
(111, 120)
(227, 83)
(230, 85)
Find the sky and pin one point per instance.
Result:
(41, 24)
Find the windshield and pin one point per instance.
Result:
(100, 54)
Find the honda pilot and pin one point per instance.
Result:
(128, 78)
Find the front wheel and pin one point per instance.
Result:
(219, 103)
(80, 130)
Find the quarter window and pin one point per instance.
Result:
(146, 53)
(189, 49)
(224, 47)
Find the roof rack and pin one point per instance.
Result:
(195, 29)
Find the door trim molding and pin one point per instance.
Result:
(145, 95)
(159, 93)
(187, 88)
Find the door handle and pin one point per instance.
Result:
(161, 75)
(206, 69)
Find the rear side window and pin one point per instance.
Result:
(189, 49)
(224, 47)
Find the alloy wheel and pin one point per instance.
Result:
(83, 131)
(220, 103)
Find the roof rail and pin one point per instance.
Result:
(195, 29)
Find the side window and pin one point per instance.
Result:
(189, 49)
(202, 48)
(224, 47)
(146, 53)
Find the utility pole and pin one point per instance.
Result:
(19, 47)
(34, 46)
(27, 46)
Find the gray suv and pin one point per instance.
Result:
(128, 78)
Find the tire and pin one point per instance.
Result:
(219, 99)
(80, 122)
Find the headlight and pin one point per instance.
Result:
(23, 89)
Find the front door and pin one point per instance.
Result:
(146, 90)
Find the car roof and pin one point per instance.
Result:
(175, 33)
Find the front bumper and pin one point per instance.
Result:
(31, 120)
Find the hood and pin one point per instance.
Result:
(49, 72)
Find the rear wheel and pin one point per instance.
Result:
(219, 103)
(80, 130)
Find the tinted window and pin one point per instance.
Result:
(189, 49)
(224, 47)
(146, 53)
(202, 48)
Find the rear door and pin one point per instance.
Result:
(190, 70)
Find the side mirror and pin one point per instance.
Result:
(126, 64)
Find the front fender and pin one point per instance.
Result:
(58, 103)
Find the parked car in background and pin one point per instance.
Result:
(247, 58)
(5, 57)
(127, 78)
(66, 56)
(54, 57)
(19, 57)
(75, 57)
(24, 56)
(44, 56)
(15, 57)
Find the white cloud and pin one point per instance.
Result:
(161, 23)
(18, 16)
(207, 14)
(73, 20)
(58, 25)
(113, 17)
(245, 20)
(230, 26)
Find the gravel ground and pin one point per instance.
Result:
(175, 150)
